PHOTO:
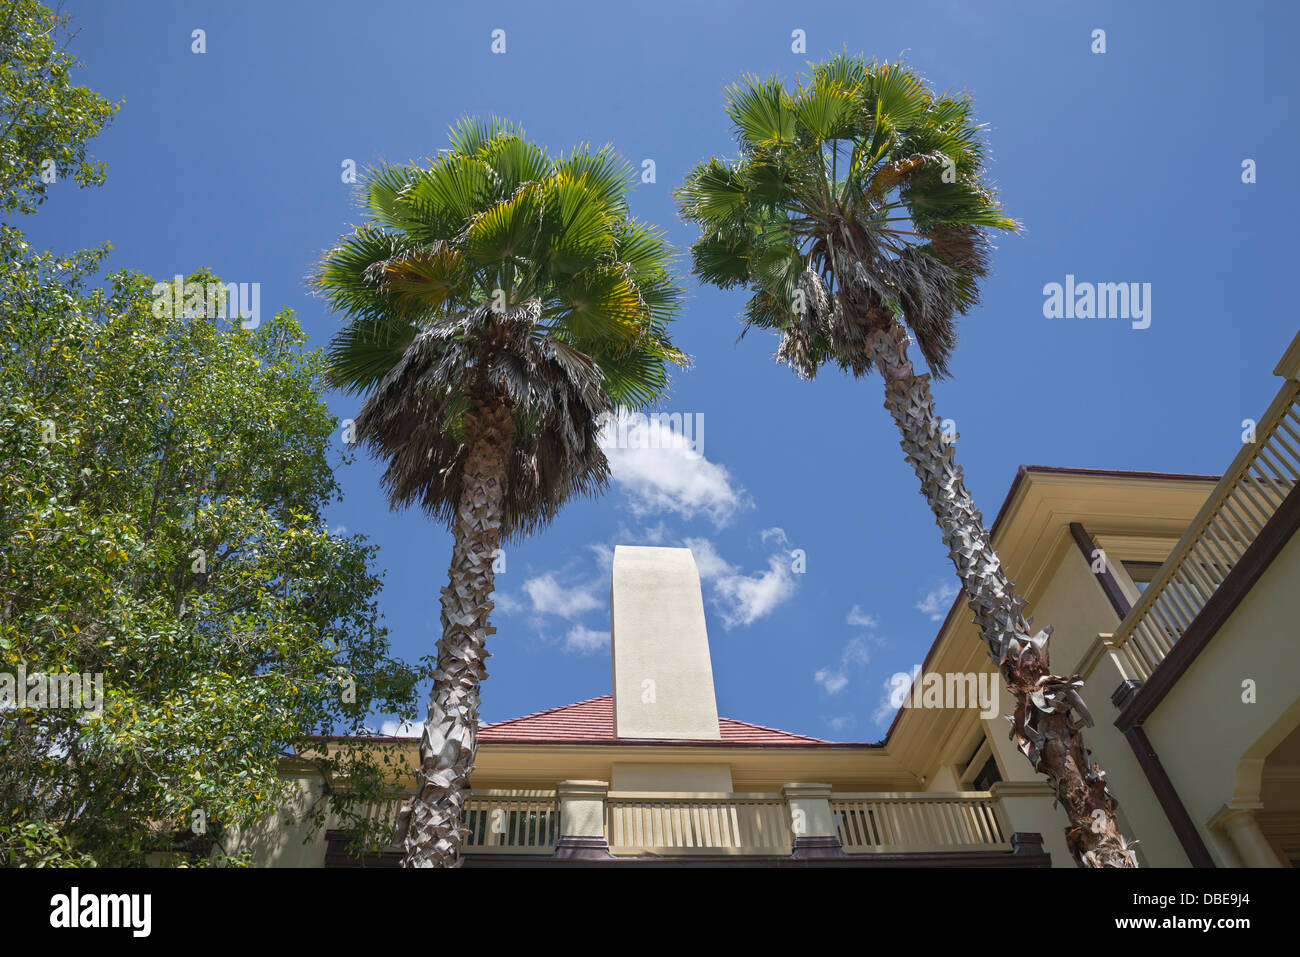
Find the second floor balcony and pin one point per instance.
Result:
(582, 822)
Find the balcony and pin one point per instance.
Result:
(683, 825)
(920, 823)
(1234, 517)
(512, 822)
(583, 822)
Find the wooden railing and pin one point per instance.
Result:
(512, 822)
(919, 823)
(499, 822)
(665, 824)
(638, 823)
(1259, 479)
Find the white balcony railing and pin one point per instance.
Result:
(686, 824)
(1255, 485)
(499, 822)
(512, 822)
(919, 823)
(663, 824)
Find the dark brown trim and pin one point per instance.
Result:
(634, 742)
(808, 848)
(1027, 851)
(1028, 842)
(1124, 693)
(338, 853)
(684, 743)
(1106, 578)
(1271, 539)
(572, 848)
(1184, 828)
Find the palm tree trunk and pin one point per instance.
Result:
(1044, 725)
(433, 830)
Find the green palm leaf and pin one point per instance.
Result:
(762, 112)
(860, 164)
(366, 351)
(589, 295)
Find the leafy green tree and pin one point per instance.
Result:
(499, 302)
(857, 211)
(162, 480)
(45, 120)
(38, 844)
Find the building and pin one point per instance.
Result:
(1174, 596)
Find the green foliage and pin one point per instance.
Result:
(497, 212)
(38, 844)
(162, 482)
(859, 173)
(43, 115)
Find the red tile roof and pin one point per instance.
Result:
(592, 722)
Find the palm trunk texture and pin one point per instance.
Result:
(1044, 725)
(434, 831)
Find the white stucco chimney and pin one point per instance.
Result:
(663, 676)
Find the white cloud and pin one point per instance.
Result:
(586, 641)
(832, 681)
(836, 679)
(839, 722)
(855, 652)
(660, 471)
(656, 535)
(896, 690)
(749, 598)
(742, 599)
(549, 597)
(506, 603)
(403, 729)
(548, 594)
(859, 618)
(711, 565)
(604, 556)
(775, 534)
(937, 602)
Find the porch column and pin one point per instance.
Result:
(1239, 823)
(582, 820)
(812, 821)
(1026, 808)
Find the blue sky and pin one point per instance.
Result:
(1124, 166)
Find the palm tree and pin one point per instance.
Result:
(857, 211)
(500, 302)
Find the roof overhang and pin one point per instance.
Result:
(1031, 534)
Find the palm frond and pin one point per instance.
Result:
(383, 185)
(341, 276)
(713, 193)
(499, 278)
(761, 111)
(422, 281)
(866, 177)
(604, 175)
(364, 352)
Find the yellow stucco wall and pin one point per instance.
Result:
(1078, 608)
(1202, 729)
(672, 777)
(276, 844)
